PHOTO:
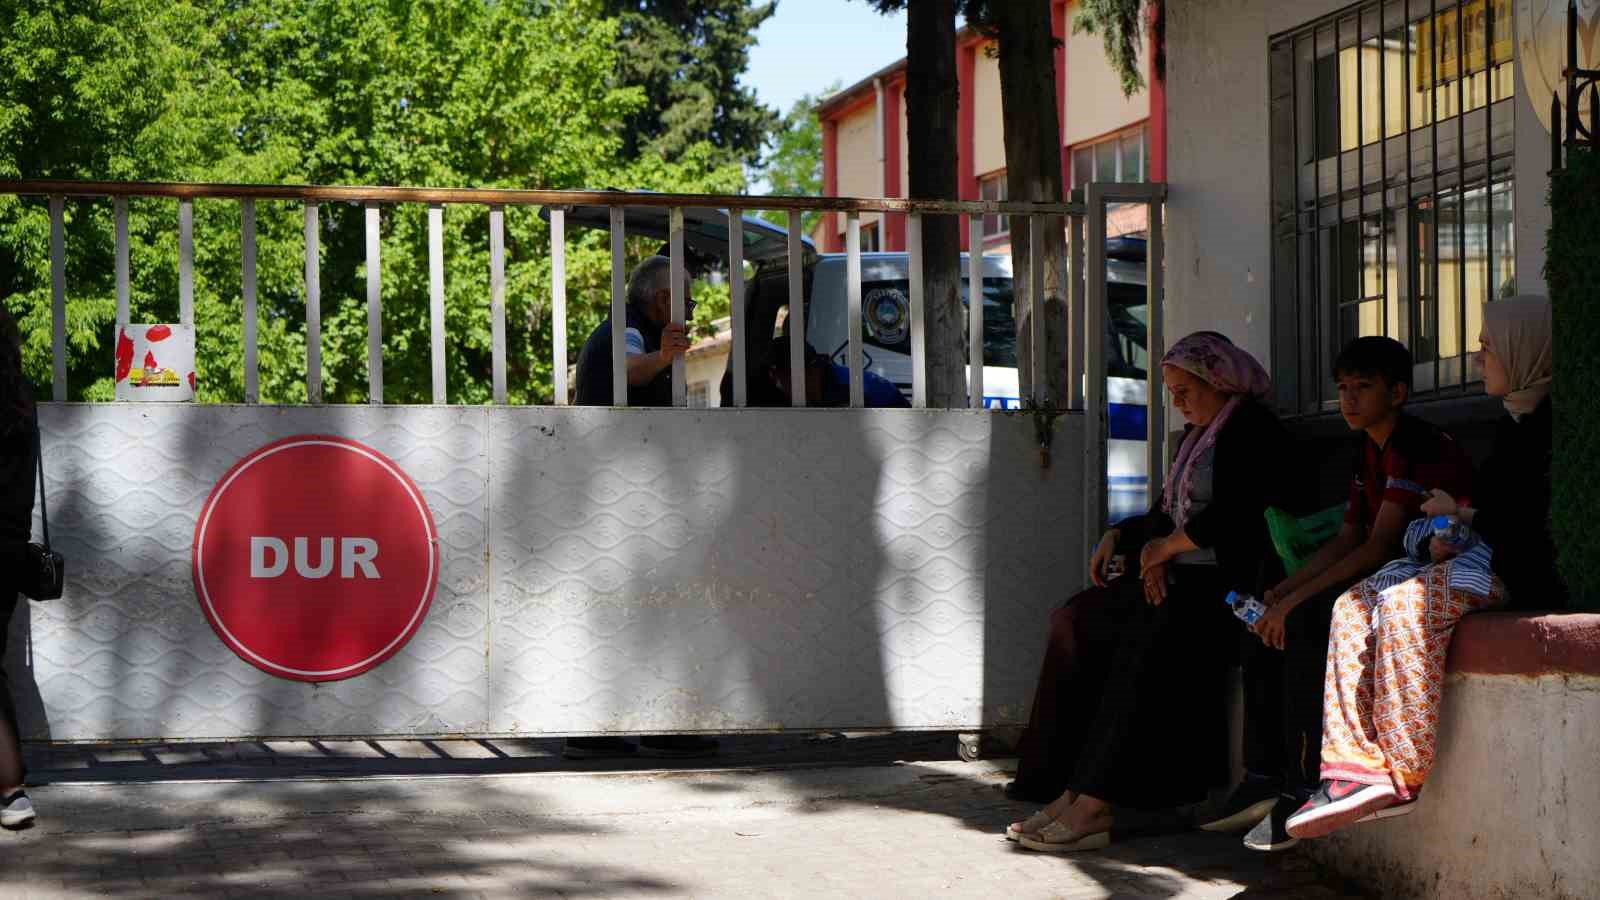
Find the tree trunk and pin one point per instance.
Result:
(1033, 173)
(931, 104)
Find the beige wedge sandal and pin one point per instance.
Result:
(1056, 837)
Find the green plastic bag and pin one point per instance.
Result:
(1296, 538)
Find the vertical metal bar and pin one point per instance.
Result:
(558, 301)
(1383, 166)
(741, 382)
(497, 301)
(919, 308)
(119, 208)
(1316, 217)
(436, 326)
(797, 316)
(58, 300)
(1488, 149)
(680, 368)
(1075, 332)
(975, 311)
(1294, 149)
(619, 309)
(1041, 388)
(1155, 288)
(186, 261)
(252, 368)
(1408, 249)
(852, 314)
(1094, 472)
(374, 308)
(1461, 193)
(1338, 209)
(313, 306)
(1433, 116)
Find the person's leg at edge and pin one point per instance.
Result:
(12, 771)
(1070, 679)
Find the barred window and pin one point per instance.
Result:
(1392, 138)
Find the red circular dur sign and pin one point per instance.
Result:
(315, 558)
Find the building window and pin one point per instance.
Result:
(1121, 157)
(1392, 200)
(993, 187)
(871, 238)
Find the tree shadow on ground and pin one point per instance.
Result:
(367, 840)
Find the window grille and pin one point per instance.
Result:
(1392, 137)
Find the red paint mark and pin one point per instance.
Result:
(158, 333)
(150, 360)
(124, 355)
(192, 385)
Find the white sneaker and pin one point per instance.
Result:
(17, 811)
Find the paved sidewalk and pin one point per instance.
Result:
(827, 819)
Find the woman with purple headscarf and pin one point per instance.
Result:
(1131, 708)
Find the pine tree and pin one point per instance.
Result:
(687, 56)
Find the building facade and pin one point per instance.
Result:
(1346, 169)
(1106, 136)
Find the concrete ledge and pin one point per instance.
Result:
(1510, 808)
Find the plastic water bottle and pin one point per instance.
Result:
(1246, 607)
(1452, 531)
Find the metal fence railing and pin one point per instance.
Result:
(1084, 220)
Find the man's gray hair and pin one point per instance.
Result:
(654, 274)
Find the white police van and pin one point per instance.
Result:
(886, 329)
(886, 333)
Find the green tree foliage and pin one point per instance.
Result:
(1572, 269)
(793, 165)
(687, 56)
(450, 93)
(1122, 25)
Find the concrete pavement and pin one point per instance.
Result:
(877, 817)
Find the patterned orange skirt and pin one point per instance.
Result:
(1385, 677)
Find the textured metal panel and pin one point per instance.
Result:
(651, 570)
(752, 569)
(127, 652)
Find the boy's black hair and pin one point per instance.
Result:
(1380, 357)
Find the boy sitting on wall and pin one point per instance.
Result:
(1401, 460)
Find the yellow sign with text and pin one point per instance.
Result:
(1465, 27)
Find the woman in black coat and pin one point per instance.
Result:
(1131, 705)
(16, 523)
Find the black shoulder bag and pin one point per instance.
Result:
(44, 570)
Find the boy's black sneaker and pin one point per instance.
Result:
(1249, 802)
(1338, 803)
(1272, 833)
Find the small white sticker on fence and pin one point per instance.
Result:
(155, 362)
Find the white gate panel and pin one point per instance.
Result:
(603, 571)
(127, 652)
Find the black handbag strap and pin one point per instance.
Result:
(38, 455)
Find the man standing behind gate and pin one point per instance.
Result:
(653, 341)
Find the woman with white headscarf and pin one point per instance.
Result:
(1391, 633)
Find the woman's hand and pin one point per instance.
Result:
(1271, 626)
(1155, 584)
(1155, 553)
(1100, 562)
(1439, 503)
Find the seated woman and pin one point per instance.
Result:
(1391, 633)
(1156, 663)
